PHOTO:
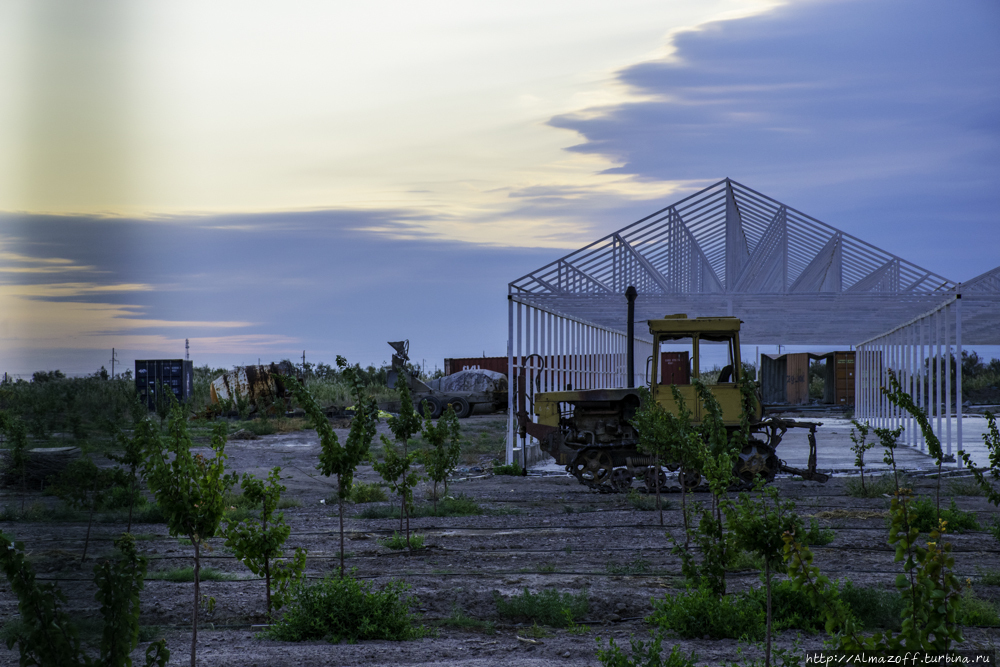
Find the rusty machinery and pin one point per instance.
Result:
(462, 402)
(590, 431)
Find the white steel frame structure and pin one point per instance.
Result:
(725, 250)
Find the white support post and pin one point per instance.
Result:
(958, 375)
(938, 403)
(947, 373)
(510, 375)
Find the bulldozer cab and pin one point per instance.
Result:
(705, 347)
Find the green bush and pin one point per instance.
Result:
(637, 565)
(366, 493)
(977, 612)
(699, 612)
(923, 516)
(789, 608)
(512, 469)
(457, 506)
(397, 541)
(817, 536)
(643, 654)
(186, 574)
(873, 607)
(547, 607)
(339, 608)
(740, 560)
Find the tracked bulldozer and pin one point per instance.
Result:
(590, 431)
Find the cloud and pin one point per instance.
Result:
(247, 286)
(879, 117)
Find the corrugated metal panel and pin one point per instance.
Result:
(152, 374)
(774, 387)
(797, 378)
(844, 373)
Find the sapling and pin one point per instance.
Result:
(132, 455)
(189, 488)
(859, 448)
(889, 439)
(257, 543)
(48, 635)
(17, 433)
(82, 485)
(991, 438)
(441, 458)
(395, 466)
(335, 459)
(757, 524)
(396, 469)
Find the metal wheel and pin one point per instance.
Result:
(649, 479)
(592, 467)
(689, 479)
(460, 406)
(621, 480)
(756, 460)
(432, 402)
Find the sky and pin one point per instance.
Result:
(268, 179)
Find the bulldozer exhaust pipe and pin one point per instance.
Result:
(630, 294)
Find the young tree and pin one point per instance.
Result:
(82, 485)
(441, 457)
(49, 636)
(257, 543)
(667, 437)
(395, 466)
(132, 454)
(758, 524)
(860, 447)
(335, 459)
(189, 488)
(13, 427)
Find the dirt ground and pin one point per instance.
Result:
(540, 531)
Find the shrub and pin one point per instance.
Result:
(547, 607)
(699, 612)
(790, 608)
(873, 607)
(512, 469)
(367, 493)
(744, 560)
(976, 611)
(339, 608)
(457, 506)
(637, 565)
(923, 516)
(818, 536)
(398, 542)
(186, 574)
(643, 654)
(644, 502)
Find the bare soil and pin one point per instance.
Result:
(539, 531)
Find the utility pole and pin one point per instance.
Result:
(113, 360)
(303, 362)
(187, 350)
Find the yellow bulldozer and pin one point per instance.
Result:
(590, 430)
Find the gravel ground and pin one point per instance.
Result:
(540, 531)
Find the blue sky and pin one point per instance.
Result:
(302, 181)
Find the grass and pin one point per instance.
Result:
(977, 612)
(398, 542)
(740, 561)
(367, 493)
(988, 577)
(698, 612)
(344, 608)
(645, 502)
(512, 469)
(460, 620)
(873, 607)
(817, 536)
(40, 513)
(875, 487)
(923, 516)
(547, 607)
(460, 505)
(637, 565)
(535, 632)
(547, 568)
(965, 486)
(186, 574)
